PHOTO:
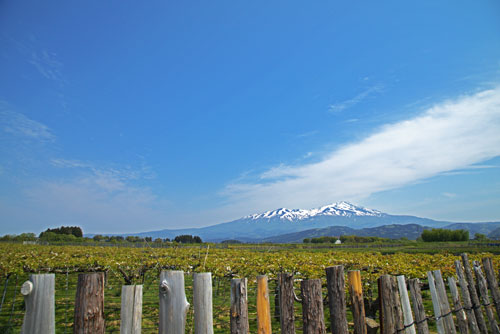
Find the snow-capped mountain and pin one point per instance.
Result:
(341, 209)
(282, 221)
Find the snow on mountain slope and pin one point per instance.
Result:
(343, 209)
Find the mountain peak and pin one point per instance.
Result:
(342, 208)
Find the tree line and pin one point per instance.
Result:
(75, 234)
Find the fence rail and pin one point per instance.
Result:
(399, 310)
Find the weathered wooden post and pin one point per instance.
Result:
(131, 309)
(263, 306)
(286, 298)
(396, 305)
(89, 304)
(335, 283)
(418, 306)
(492, 282)
(202, 300)
(405, 303)
(436, 304)
(464, 288)
(457, 304)
(444, 304)
(312, 307)
(476, 304)
(387, 323)
(483, 292)
(358, 307)
(173, 302)
(239, 306)
(38, 294)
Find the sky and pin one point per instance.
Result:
(125, 116)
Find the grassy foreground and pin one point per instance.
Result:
(143, 265)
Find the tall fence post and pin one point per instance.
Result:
(385, 292)
(335, 283)
(239, 306)
(286, 298)
(444, 304)
(89, 304)
(312, 307)
(173, 302)
(483, 292)
(405, 304)
(131, 309)
(436, 304)
(492, 282)
(476, 304)
(358, 307)
(39, 299)
(202, 300)
(396, 305)
(464, 288)
(418, 306)
(263, 306)
(461, 318)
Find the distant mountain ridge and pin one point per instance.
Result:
(279, 222)
(342, 209)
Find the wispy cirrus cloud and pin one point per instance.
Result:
(18, 125)
(450, 135)
(349, 103)
(49, 66)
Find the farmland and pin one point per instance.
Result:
(142, 265)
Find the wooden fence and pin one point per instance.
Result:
(471, 310)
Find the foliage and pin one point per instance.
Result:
(20, 237)
(69, 230)
(480, 237)
(188, 239)
(440, 234)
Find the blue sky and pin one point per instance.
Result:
(121, 116)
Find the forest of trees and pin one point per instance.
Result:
(188, 239)
(441, 234)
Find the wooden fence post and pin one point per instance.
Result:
(396, 306)
(418, 306)
(89, 304)
(476, 304)
(405, 303)
(492, 282)
(436, 304)
(312, 307)
(335, 283)
(263, 306)
(286, 298)
(444, 304)
(173, 302)
(131, 310)
(464, 288)
(38, 295)
(387, 323)
(202, 300)
(461, 318)
(483, 291)
(239, 306)
(358, 307)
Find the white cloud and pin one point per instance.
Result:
(48, 66)
(337, 107)
(451, 135)
(17, 124)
